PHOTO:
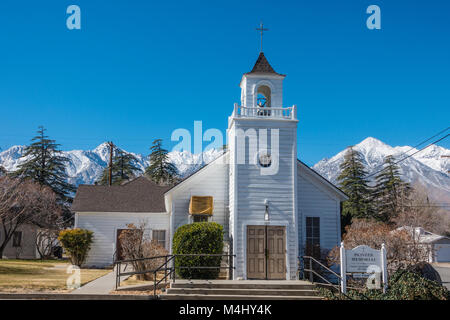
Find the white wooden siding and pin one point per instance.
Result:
(105, 225)
(314, 200)
(252, 189)
(210, 181)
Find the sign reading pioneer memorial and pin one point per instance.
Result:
(361, 258)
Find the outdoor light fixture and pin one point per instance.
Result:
(266, 213)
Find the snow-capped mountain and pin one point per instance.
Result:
(426, 167)
(86, 166)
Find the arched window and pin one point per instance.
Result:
(263, 100)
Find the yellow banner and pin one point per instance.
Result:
(201, 205)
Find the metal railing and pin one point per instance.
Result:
(169, 267)
(309, 267)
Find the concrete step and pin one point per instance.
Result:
(237, 285)
(234, 297)
(241, 292)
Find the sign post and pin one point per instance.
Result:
(384, 267)
(343, 268)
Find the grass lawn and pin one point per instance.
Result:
(40, 275)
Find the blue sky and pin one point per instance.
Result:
(137, 70)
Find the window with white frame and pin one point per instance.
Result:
(313, 237)
(160, 237)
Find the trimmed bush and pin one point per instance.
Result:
(200, 237)
(77, 243)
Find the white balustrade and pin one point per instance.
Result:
(289, 113)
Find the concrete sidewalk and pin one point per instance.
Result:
(102, 285)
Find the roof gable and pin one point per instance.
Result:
(202, 169)
(323, 181)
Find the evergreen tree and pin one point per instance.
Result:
(389, 190)
(353, 182)
(123, 168)
(2, 171)
(224, 148)
(161, 170)
(46, 165)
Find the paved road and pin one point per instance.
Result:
(444, 272)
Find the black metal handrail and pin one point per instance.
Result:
(328, 283)
(169, 271)
(119, 273)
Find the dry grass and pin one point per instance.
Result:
(40, 275)
(136, 292)
(131, 281)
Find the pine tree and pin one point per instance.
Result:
(161, 170)
(353, 182)
(123, 168)
(389, 190)
(46, 165)
(2, 171)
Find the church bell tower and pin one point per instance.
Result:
(262, 144)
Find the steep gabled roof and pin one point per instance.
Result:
(138, 195)
(263, 66)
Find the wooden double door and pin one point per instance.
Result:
(266, 252)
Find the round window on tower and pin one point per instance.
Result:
(264, 159)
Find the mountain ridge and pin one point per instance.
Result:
(427, 167)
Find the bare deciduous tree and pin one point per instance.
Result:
(419, 211)
(401, 248)
(23, 201)
(136, 244)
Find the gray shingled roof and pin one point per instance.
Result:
(262, 66)
(138, 195)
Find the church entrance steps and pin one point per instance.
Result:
(234, 297)
(240, 290)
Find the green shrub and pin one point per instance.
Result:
(77, 243)
(403, 285)
(201, 237)
(408, 285)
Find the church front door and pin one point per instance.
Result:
(266, 252)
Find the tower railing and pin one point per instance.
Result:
(288, 113)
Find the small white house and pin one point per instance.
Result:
(271, 205)
(439, 246)
(107, 210)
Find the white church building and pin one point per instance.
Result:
(270, 204)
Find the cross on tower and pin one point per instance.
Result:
(261, 29)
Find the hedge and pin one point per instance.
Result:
(200, 237)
